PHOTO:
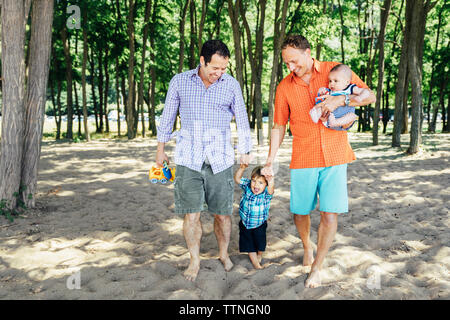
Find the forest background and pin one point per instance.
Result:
(109, 63)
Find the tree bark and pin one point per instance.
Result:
(83, 78)
(383, 22)
(182, 28)
(278, 37)
(233, 12)
(152, 89)
(13, 85)
(131, 133)
(40, 48)
(341, 15)
(402, 81)
(68, 59)
(148, 7)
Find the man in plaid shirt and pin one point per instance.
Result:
(207, 99)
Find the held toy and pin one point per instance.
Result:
(162, 175)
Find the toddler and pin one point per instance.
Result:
(254, 212)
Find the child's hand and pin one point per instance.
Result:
(243, 166)
(322, 91)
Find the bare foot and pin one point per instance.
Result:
(191, 272)
(313, 280)
(308, 257)
(227, 264)
(259, 256)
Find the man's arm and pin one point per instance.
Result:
(165, 127)
(330, 103)
(276, 138)
(242, 124)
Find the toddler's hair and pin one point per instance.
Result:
(256, 173)
(343, 68)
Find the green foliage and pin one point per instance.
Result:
(10, 212)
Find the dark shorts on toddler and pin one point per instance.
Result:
(252, 240)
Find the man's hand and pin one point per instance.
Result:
(331, 103)
(161, 156)
(267, 171)
(245, 159)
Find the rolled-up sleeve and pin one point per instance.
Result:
(240, 113)
(171, 105)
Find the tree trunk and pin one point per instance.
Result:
(182, 28)
(94, 99)
(148, 7)
(342, 31)
(193, 36)
(40, 48)
(13, 86)
(118, 95)
(68, 58)
(415, 54)
(278, 37)
(152, 89)
(106, 88)
(233, 12)
(383, 22)
(131, 133)
(100, 91)
(205, 4)
(402, 81)
(83, 79)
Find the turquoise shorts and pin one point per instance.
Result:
(328, 184)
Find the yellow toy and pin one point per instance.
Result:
(161, 174)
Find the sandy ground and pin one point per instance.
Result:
(100, 221)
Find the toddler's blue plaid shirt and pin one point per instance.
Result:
(253, 209)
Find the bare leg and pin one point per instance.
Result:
(222, 229)
(344, 121)
(325, 237)
(192, 230)
(254, 259)
(260, 256)
(303, 224)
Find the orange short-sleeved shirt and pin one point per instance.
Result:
(313, 144)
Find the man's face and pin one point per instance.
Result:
(297, 60)
(337, 81)
(214, 69)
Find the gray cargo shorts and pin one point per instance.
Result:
(198, 191)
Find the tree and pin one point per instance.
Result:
(131, 111)
(23, 112)
(383, 22)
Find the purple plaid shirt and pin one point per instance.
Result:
(205, 115)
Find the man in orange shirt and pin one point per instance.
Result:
(319, 154)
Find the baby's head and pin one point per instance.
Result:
(339, 77)
(258, 181)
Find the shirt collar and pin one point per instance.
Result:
(194, 73)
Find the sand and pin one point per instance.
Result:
(101, 230)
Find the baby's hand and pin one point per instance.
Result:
(243, 166)
(322, 91)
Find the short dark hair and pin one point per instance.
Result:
(256, 173)
(296, 41)
(211, 47)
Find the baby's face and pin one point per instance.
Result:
(258, 185)
(338, 81)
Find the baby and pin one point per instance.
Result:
(339, 84)
(254, 212)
